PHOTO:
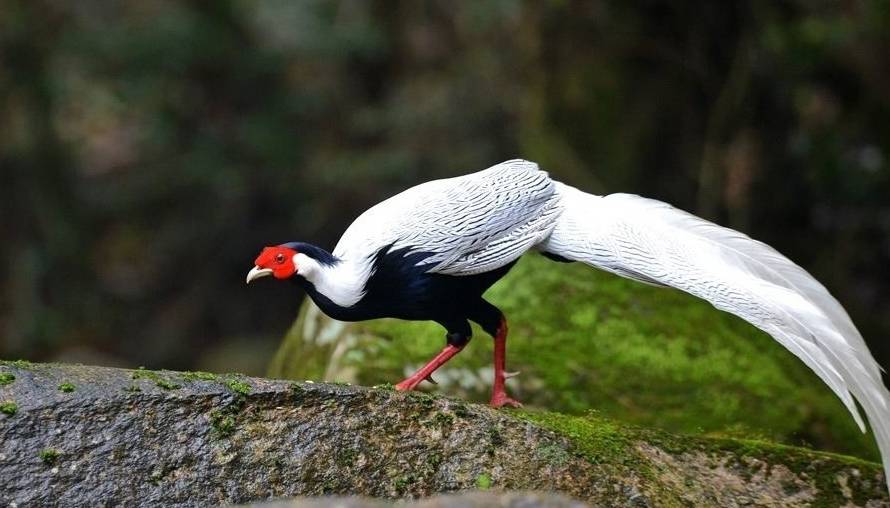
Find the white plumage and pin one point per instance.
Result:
(648, 240)
(471, 224)
(482, 221)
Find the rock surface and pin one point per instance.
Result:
(583, 339)
(90, 436)
(467, 500)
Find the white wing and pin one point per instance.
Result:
(468, 224)
(654, 242)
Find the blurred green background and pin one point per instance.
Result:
(148, 150)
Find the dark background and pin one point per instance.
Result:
(148, 150)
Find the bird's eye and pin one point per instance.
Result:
(279, 258)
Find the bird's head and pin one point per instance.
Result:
(279, 261)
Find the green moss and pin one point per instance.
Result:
(583, 339)
(239, 387)
(166, 384)
(330, 486)
(483, 481)
(495, 440)
(156, 476)
(797, 459)
(330, 403)
(494, 436)
(223, 422)
(599, 440)
(402, 482)
(6, 378)
(66, 387)
(143, 373)
(9, 408)
(603, 441)
(19, 364)
(432, 462)
(160, 381)
(49, 456)
(425, 400)
(345, 456)
(440, 420)
(200, 376)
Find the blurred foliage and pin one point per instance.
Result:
(148, 150)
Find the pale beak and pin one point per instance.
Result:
(257, 272)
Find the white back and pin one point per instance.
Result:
(469, 224)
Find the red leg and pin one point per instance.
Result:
(428, 369)
(499, 394)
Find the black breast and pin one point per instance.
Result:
(401, 288)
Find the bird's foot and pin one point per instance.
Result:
(501, 399)
(426, 372)
(407, 385)
(412, 382)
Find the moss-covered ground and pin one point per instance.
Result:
(604, 441)
(583, 339)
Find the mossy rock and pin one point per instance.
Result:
(124, 438)
(584, 339)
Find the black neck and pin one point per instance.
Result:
(317, 253)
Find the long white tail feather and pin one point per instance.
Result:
(653, 242)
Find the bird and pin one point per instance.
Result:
(430, 252)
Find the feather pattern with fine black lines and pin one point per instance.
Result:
(468, 224)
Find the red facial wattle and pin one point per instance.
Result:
(278, 259)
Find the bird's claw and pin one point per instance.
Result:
(412, 382)
(508, 375)
(501, 400)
